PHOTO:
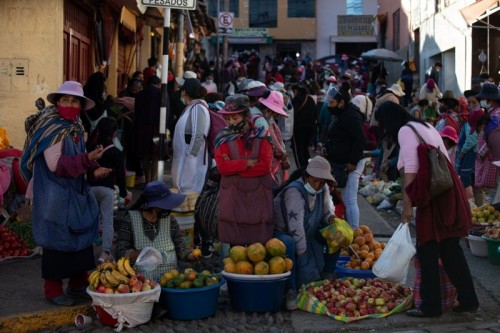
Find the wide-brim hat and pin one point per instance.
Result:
(489, 91)
(319, 167)
(396, 90)
(448, 95)
(71, 88)
(187, 75)
(236, 103)
(275, 103)
(450, 133)
(255, 89)
(474, 117)
(157, 194)
(278, 86)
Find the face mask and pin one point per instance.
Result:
(485, 104)
(310, 189)
(237, 127)
(68, 112)
(210, 81)
(183, 101)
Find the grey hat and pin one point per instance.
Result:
(235, 104)
(319, 167)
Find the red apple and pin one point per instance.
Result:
(123, 289)
(136, 288)
(101, 289)
(109, 290)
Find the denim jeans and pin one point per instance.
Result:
(106, 199)
(350, 195)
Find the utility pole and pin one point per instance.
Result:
(164, 92)
(226, 37)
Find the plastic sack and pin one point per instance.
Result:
(149, 259)
(130, 309)
(337, 234)
(395, 259)
(385, 204)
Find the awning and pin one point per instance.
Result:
(128, 19)
(353, 39)
(472, 12)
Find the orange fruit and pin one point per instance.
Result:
(261, 268)
(365, 228)
(277, 265)
(238, 253)
(230, 267)
(365, 247)
(376, 245)
(360, 240)
(244, 267)
(289, 264)
(363, 254)
(355, 247)
(275, 247)
(256, 252)
(370, 256)
(383, 245)
(358, 232)
(196, 253)
(365, 265)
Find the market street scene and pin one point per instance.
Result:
(249, 166)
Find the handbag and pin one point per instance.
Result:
(340, 174)
(441, 180)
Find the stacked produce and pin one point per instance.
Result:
(366, 249)
(258, 259)
(485, 214)
(12, 244)
(352, 297)
(118, 278)
(492, 232)
(188, 279)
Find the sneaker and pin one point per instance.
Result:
(61, 300)
(291, 300)
(106, 256)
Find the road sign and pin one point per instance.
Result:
(176, 4)
(225, 23)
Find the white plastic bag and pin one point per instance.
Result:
(395, 259)
(149, 259)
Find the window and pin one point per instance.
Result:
(263, 13)
(354, 7)
(396, 28)
(233, 7)
(301, 8)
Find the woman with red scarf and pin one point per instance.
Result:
(244, 158)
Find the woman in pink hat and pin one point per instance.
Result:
(244, 159)
(64, 211)
(272, 107)
(450, 139)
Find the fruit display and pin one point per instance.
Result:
(477, 230)
(492, 232)
(188, 279)
(11, 244)
(485, 214)
(118, 278)
(352, 297)
(366, 249)
(258, 259)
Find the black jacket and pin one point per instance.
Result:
(346, 138)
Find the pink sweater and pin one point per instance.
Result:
(408, 143)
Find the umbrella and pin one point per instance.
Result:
(381, 54)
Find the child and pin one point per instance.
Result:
(450, 139)
(104, 189)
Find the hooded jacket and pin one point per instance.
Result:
(346, 138)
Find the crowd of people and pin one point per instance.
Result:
(336, 121)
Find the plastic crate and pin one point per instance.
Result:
(358, 273)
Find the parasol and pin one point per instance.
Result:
(381, 54)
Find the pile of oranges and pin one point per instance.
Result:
(367, 249)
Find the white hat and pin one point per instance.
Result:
(277, 86)
(396, 90)
(319, 167)
(187, 75)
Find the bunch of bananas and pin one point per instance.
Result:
(110, 274)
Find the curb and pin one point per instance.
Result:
(36, 321)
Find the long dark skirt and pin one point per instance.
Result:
(57, 265)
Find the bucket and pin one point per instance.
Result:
(192, 303)
(343, 271)
(186, 224)
(478, 246)
(250, 294)
(130, 178)
(493, 250)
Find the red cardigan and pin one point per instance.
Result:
(445, 216)
(232, 167)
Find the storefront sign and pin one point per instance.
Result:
(355, 25)
(176, 4)
(250, 32)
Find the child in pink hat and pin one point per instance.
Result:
(450, 139)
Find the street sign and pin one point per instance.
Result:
(175, 4)
(225, 23)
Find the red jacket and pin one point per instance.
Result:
(445, 216)
(230, 167)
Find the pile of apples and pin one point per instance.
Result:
(492, 232)
(485, 213)
(367, 249)
(352, 297)
(12, 245)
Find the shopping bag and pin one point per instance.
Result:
(337, 234)
(448, 291)
(395, 259)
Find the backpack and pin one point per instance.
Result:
(217, 123)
